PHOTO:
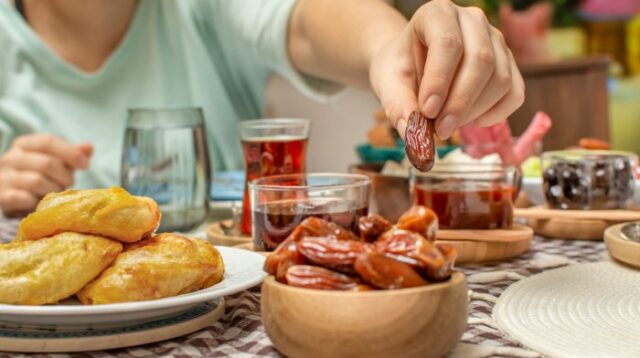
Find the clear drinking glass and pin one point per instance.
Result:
(272, 147)
(467, 196)
(165, 156)
(279, 203)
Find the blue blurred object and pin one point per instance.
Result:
(370, 155)
(227, 185)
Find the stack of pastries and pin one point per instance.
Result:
(100, 246)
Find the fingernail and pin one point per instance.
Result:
(432, 106)
(446, 126)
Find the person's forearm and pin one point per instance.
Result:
(336, 39)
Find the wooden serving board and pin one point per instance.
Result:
(217, 236)
(487, 245)
(474, 245)
(574, 224)
(620, 248)
(50, 341)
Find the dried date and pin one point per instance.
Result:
(419, 141)
(319, 278)
(330, 252)
(372, 226)
(384, 272)
(450, 254)
(285, 255)
(413, 249)
(316, 227)
(420, 219)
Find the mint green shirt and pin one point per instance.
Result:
(215, 54)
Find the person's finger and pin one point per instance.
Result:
(398, 100)
(476, 68)
(55, 146)
(33, 182)
(500, 81)
(50, 166)
(438, 29)
(509, 103)
(17, 201)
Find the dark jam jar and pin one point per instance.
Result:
(280, 203)
(467, 196)
(588, 179)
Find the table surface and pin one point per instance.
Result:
(240, 332)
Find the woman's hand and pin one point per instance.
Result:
(451, 64)
(35, 165)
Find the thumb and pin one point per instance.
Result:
(87, 151)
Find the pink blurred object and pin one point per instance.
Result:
(610, 8)
(479, 142)
(525, 31)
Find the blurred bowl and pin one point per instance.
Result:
(370, 154)
(423, 321)
(389, 194)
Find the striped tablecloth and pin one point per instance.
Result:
(240, 332)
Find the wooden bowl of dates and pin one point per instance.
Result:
(387, 290)
(424, 321)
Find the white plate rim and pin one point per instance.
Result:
(207, 294)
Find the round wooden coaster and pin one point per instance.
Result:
(216, 235)
(574, 224)
(53, 341)
(488, 245)
(621, 248)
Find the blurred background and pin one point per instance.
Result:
(580, 60)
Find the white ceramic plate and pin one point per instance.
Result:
(533, 188)
(243, 269)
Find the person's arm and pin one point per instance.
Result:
(447, 61)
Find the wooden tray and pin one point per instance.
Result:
(487, 245)
(620, 248)
(50, 340)
(217, 236)
(574, 224)
(474, 245)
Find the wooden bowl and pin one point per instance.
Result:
(217, 236)
(413, 322)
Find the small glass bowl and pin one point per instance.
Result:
(467, 196)
(279, 203)
(588, 179)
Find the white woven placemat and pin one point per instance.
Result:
(584, 310)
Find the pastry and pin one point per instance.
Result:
(111, 213)
(38, 272)
(162, 266)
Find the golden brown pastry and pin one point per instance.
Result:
(162, 266)
(111, 213)
(49, 270)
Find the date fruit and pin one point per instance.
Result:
(316, 227)
(413, 249)
(285, 255)
(319, 278)
(420, 219)
(450, 254)
(419, 141)
(332, 253)
(384, 272)
(372, 226)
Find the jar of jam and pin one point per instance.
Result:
(475, 196)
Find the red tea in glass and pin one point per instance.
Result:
(279, 203)
(475, 196)
(479, 208)
(271, 147)
(274, 221)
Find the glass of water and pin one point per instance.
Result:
(165, 157)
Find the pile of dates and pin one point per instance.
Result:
(322, 255)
